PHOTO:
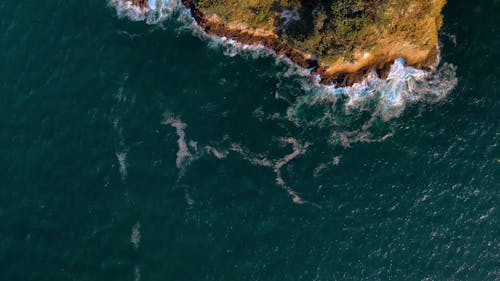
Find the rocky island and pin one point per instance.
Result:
(341, 41)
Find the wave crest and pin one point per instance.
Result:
(355, 113)
(156, 11)
(342, 108)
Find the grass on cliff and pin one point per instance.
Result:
(255, 13)
(333, 29)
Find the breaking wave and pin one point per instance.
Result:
(156, 11)
(360, 113)
(385, 98)
(403, 84)
(356, 114)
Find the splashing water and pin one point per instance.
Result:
(402, 85)
(155, 12)
(387, 97)
(357, 113)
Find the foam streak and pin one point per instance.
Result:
(298, 150)
(183, 153)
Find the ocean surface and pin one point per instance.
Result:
(142, 150)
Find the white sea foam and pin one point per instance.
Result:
(298, 149)
(217, 153)
(122, 151)
(487, 214)
(320, 169)
(232, 48)
(403, 84)
(185, 157)
(276, 165)
(345, 109)
(126, 8)
(156, 11)
(335, 107)
(257, 160)
(122, 161)
(183, 153)
(135, 235)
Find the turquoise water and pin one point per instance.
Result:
(134, 151)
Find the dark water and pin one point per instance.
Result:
(94, 109)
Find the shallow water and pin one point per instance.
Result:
(134, 151)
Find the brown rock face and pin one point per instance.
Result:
(339, 73)
(272, 42)
(140, 3)
(381, 64)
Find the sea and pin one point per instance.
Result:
(135, 147)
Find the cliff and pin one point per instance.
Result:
(340, 40)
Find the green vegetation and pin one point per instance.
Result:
(338, 29)
(256, 13)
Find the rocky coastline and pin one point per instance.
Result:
(341, 74)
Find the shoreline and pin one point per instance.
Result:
(340, 74)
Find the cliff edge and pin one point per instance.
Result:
(340, 40)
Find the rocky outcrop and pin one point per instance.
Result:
(340, 72)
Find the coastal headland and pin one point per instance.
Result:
(341, 41)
